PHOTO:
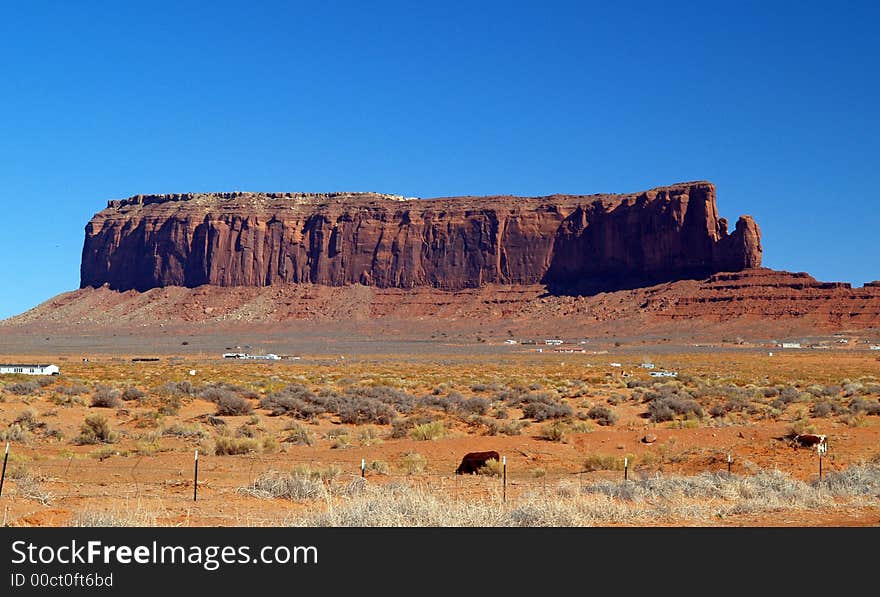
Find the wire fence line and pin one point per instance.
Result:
(144, 477)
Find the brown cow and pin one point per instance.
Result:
(473, 461)
(809, 440)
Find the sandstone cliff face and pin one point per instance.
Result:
(568, 242)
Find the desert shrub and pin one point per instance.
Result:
(604, 462)
(554, 432)
(428, 431)
(456, 403)
(379, 467)
(541, 411)
(365, 410)
(75, 389)
(770, 392)
(230, 404)
(400, 427)
(232, 446)
(292, 486)
(860, 405)
(871, 388)
(22, 388)
(176, 388)
(133, 393)
(95, 430)
(170, 406)
(666, 409)
(789, 395)
(602, 415)
(821, 409)
(852, 389)
(105, 397)
(185, 431)
(398, 400)
(298, 401)
(368, 436)
(413, 463)
(494, 427)
(298, 435)
(491, 468)
(27, 419)
(16, 433)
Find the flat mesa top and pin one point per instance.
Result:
(237, 198)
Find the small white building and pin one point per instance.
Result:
(647, 365)
(510, 341)
(30, 369)
(553, 342)
(875, 347)
(664, 374)
(791, 345)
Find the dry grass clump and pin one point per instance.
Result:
(114, 518)
(703, 498)
(106, 397)
(233, 446)
(428, 431)
(96, 430)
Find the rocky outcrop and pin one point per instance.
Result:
(570, 243)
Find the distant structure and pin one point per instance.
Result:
(553, 342)
(647, 365)
(243, 355)
(664, 374)
(510, 341)
(875, 347)
(790, 345)
(30, 369)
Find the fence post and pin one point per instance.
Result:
(196, 476)
(363, 467)
(728, 462)
(504, 477)
(3, 474)
(625, 468)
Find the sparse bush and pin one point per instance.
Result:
(95, 430)
(232, 446)
(541, 411)
(554, 432)
(602, 415)
(230, 404)
(605, 462)
(365, 410)
(105, 397)
(185, 431)
(379, 467)
(400, 427)
(298, 435)
(428, 431)
(293, 486)
(860, 405)
(22, 388)
(491, 468)
(413, 463)
(396, 399)
(27, 419)
(297, 401)
(16, 433)
(132, 393)
(666, 409)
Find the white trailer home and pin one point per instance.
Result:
(29, 369)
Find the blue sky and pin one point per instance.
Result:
(775, 102)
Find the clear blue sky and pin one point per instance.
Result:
(775, 102)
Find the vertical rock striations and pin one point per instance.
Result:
(571, 243)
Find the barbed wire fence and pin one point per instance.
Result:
(82, 483)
